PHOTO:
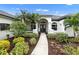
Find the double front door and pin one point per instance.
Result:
(43, 27)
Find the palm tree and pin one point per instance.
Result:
(73, 22)
(23, 17)
(26, 17)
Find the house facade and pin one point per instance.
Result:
(49, 24)
(46, 23)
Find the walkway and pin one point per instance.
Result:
(42, 46)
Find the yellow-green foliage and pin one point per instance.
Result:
(33, 41)
(20, 48)
(76, 39)
(4, 44)
(71, 50)
(3, 52)
(19, 39)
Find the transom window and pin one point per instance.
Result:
(54, 26)
(4, 26)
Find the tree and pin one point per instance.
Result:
(18, 28)
(23, 17)
(28, 18)
(72, 21)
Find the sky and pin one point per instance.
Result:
(48, 9)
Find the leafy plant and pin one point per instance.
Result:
(4, 44)
(51, 36)
(30, 35)
(20, 48)
(3, 52)
(18, 28)
(19, 39)
(61, 37)
(76, 39)
(71, 50)
(33, 41)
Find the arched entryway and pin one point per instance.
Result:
(43, 26)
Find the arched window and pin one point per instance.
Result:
(54, 26)
(33, 25)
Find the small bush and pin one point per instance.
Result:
(18, 28)
(3, 52)
(76, 40)
(4, 44)
(19, 39)
(30, 35)
(61, 37)
(20, 48)
(71, 50)
(51, 36)
(33, 41)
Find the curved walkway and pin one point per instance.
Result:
(42, 46)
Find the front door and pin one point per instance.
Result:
(42, 27)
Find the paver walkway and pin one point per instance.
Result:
(42, 46)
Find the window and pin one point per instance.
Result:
(54, 26)
(33, 25)
(4, 26)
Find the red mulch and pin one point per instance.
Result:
(55, 48)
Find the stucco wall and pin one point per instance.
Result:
(3, 20)
(60, 26)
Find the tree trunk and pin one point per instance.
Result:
(23, 21)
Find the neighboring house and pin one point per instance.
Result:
(47, 23)
(5, 21)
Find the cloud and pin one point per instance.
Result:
(42, 10)
(19, 8)
(69, 4)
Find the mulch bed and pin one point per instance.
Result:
(55, 48)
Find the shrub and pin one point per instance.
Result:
(61, 37)
(19, 39)
(30, 35)
(71, 50)
(76, 40)
(51, 36)
(20, 48)
(4, 44)
(33, 41)
(18, 28)
(3, 52)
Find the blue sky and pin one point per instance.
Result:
(52, 9)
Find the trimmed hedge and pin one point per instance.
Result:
(19, 39)
(30, 35)
(60, 37)
(33, 41)
(21, 48)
